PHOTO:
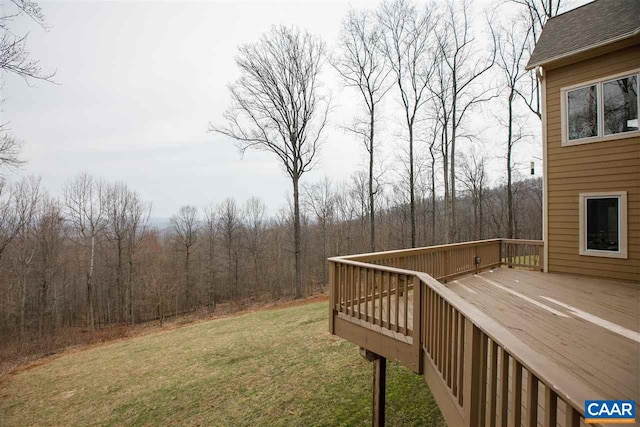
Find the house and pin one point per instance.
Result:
(588, 61)
(513, 332)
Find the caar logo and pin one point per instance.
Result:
(610, 411)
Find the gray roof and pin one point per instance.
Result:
(594, 24)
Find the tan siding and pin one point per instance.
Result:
(599, 166)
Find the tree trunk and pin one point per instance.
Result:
(43, 302)
(23, 303)
(212, 275)
(119, 291)
(188, 279)
(412, 201)
(296, 235)
(445, 175)
(130, 289)
(452, 170)
(372, 211)
(510, 233)
(90, 312)
(433, 199)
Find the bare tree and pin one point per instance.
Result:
(137, 214)
(278, 107)
(463, 68)
(511, 48)
(211, 233)
(118, 198)
(18, 203)
(9, 150)
(409, 49)
(255, 223)
(86, 213)
(320, 201)
(187, 228)
(49, 243)
(230, 223)
(362, 66)
(14, 57)
(474, 180)
(535, 14)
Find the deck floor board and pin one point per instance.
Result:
(609, 362)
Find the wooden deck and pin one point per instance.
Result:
(493, 341)
(589, 326)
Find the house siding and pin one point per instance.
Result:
(593, 167)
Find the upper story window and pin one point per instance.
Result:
(601, 110)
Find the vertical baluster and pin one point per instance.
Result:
(483, 379)
(461, 378)
(504, 387)
(350, 290)
(493, 383)
(438, 331)
(341, 286)
(406, 304)
(434, 323)
(359, 292)
(516, 388)
(572, 417)
(550, 407)
(380, 299)
(345, 282)
(532, 400)
(388, 278)
(366, 294)
(454, 358)
(445, 338)
(441, 333)
(396, 278)
(358, 273)
(373, 296)
(449, 344)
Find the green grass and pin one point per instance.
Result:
(278, 367)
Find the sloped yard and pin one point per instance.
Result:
(273, 367)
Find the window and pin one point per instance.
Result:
(602, 110)
(603, 224)
(620, 105)
(583, 112)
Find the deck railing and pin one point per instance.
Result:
(478, 371)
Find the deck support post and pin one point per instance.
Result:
(332, 293)
(379, 385)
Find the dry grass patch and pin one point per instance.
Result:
(275, 367)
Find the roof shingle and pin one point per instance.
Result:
(594, 24)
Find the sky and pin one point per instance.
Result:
(137, 84)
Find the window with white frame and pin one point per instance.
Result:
(603, 224)
(601, 110)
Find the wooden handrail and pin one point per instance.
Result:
(523, 241)
(566, 386)
(377, 267)
(453, 335)
(413, 251)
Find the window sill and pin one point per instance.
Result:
(604, 254)
(614, 137)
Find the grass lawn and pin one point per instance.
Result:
(272, 367)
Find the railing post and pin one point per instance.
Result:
(417, 322)
(332, 293)
(472, 391)
(541, 256)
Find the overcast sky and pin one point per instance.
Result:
(140, 81)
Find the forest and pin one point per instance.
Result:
(94, 256)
